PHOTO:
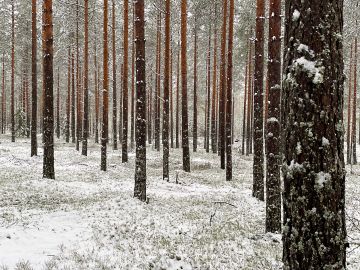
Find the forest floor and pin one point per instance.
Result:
(88, 219)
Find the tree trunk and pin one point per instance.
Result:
(222, 94)
(33, 81)
(97, 97)
(68, 100)
(353, 136)
(348, 133)
(171, 100)
(105, 123)
(165, 132)
(57, 105)
(214, 92)
(115, 142)
(140, 171)
(121, 104)
(245, 102)
(73, 137)
(86, 82)
(207, 127)
(314, 175)
(177, 123)
(150, 114)
(132, 128)
(258, 181)
(229, 100)
(12, 71)
(48, 79)
(158, 92)
(195, 121)
(78, 78)
(125, 83)
(273, 155)
(184, 105)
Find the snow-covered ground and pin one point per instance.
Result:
(88, 219)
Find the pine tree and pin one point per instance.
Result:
(3, 99)
(353, 132)
(68, 100)
(105, 123)
(114, 118)
(73, 137)
(48, 81)
(166, 93)
(125, 83)
(195, 121)
(184, 104)
(86, 81)
(33, 80)
(258, 169)
(12, 108)
(245, 103)
(57, 105)
(132, 116)
(140, 171)
(273, 155)
(314, 235)
(229, 102)
(208, 89)
(214, 90)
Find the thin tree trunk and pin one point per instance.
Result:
(229, 100)
(177, 123)
(171, 100)
(185, 124)
(208, 94)
(132, 128)
(125, 83)
(3, 100)
(150, 114)
(214, 92)
(222, 94)
(86, 82)
(195, 132)
(258, 169)
(78, 78)
(115, 143)
(140, 171)
(105, 123)
(245, 103)
(273, 154)
(33, 80)
(158, 92)
(353, 140)
(249, 110)
(12, 71)
(314, 173)
(165, 134)
(48, 79)
(73, 137)
(97, 98)
(58, 105)
(121, 104)
(68, 100)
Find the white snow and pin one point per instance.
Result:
(311, 68)
(296, 15)
(322, 178)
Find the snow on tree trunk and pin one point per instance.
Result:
(273, 155)
(48, 82)
(258, 169)
(140, 167)
(314, 234)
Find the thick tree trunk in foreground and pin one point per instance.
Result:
(314, 175)
(33, 81)
(184, 105)
(165, 132)
(229, 99)
(125, 105)
(48, 81)
(86, 82)
(105, 123)
(273, 155)
(258, 169)
(140, 171)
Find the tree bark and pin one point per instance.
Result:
(229, 100)
(132, 126)
(125, 83)
(207, 127)
(158, 91)
(105, 123)
(184, 105)
(33, 81)
(114, 119)
(214, 91)
(245, 102)
(12, 108)
(258, 169)
(314, 235)
(195, 120)
(273, 155)
(68, 100)
(177, 122)
(48, 81)
(86, 82)
(353, 136)
(165, 135)
(140, 171)
(57, 105)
